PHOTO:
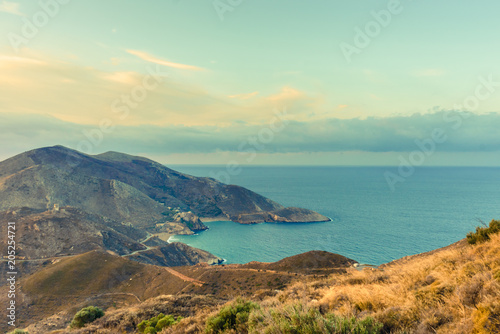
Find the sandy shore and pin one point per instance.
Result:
(216, 219)
(164, 236)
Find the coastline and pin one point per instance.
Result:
(164, 236)
(214, 219)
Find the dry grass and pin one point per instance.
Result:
(452, 290)
(456, 290)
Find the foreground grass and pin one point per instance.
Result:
(453, 290)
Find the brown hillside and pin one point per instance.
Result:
(313, 262)
(54, 293)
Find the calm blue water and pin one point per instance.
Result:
(371, 224)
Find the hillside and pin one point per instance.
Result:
(45, 236)
(313, 262)
(50, 296)
(455, 289)
(68, 231)
(130, 189)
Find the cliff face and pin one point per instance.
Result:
(192, 221)
(43, 234)
(129, 189)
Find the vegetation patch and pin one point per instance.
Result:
(299, 318)
(156, 324)
(231, 317)
(18, 331)
(482, 234)
(85, 316)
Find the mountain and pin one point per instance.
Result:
(130, 189)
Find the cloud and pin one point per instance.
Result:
(122, 77)
(147, 57)
(86, 95)
(287, 93)
(45, 102)
(244, 96)
(430, 72)
(376, 135)
(11, 61)
(11, 8)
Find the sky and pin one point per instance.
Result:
(254, 82)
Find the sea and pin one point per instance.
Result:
(371, 223)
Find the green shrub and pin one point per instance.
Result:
(18, 331)
(86, 315)
(156, 324)
(297, 318)
(231, 317)
(482, 234)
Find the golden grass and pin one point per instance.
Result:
(451, 291)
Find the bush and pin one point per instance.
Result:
(298, 318)
(86, 315)
(482, 234)
(18, 331)
(231, 317)
(156, 324)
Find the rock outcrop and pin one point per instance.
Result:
(192, 221)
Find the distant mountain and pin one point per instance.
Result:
(130, 189)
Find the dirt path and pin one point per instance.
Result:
(138, 251)
(184, 277)
(42, 259)
(115, 293)
(149, 236)
(142, 243)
